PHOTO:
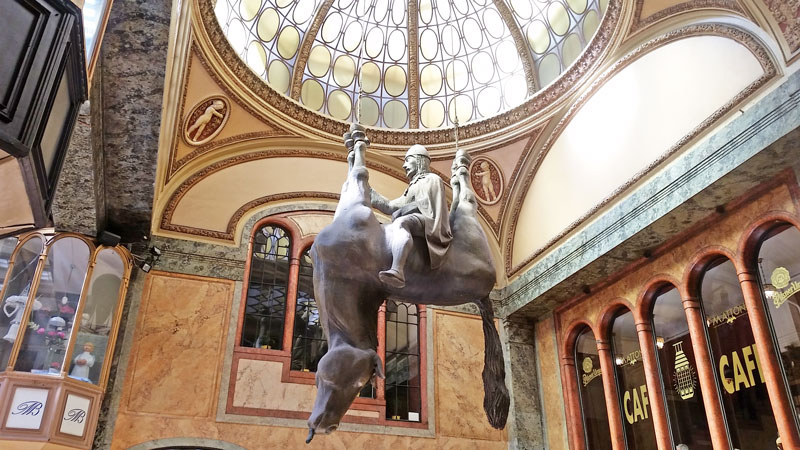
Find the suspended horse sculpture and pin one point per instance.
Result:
(356, 267)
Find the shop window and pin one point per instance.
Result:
(267, 289)
(308, 344)
(403, 383)
(590, 391)
(635, 405)
(678, 370)
(779, 274)
(739, 376)
(16, 290)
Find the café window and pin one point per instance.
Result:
(637, 415)
(779, 276)
(590, 390)
(678, 370)
(739, 375)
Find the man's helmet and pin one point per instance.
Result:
(418, 150)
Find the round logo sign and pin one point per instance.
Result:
(587, 364)
(780, 277)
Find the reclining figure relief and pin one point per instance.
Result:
(426, 255)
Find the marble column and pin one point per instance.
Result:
(525, 426)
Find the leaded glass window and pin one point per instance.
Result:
(268, 283)
(308, 340)
(403, 382)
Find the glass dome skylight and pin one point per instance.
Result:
(418, 64)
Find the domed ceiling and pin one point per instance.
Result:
(419, 64)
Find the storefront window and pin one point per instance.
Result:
(590, 389)
(637, 416)
(44, 343)
(739, 373)
(16, 293)
(89, 348)
(676, 361)
(779, 274)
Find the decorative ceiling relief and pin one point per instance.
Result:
(787, 16)
(648, 12)
(487, 180)
(206, 119)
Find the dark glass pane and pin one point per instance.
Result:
(265, 306)
(779, 265)
(403, 383)
(739, 376)
(308, 341)
(592, 397)
(637, 415)
(678, 368)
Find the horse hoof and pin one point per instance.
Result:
(392, 278)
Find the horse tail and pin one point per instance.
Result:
(496, 399)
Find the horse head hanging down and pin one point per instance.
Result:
(424, 256)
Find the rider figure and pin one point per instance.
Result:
(421, 211)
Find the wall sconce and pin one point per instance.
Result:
(659, 342)
(619, 360)
(147, 262)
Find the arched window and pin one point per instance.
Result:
(735, 358)
(779, 276)
(308, 340)
(635, 405)
(590, 391)
(678, 370)
(403, 378)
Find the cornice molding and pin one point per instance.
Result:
(705, 29)
(486, 130)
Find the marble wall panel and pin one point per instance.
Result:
(458, 364)
(178, 348)
(550, 376)
(258, 385)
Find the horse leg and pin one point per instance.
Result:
(356, 189)
(496, 399)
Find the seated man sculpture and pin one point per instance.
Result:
(420, 212)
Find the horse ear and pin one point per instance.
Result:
(378, 366)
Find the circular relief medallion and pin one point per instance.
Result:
(487, 180)
(206, 120)
(780, 277)
(587, 365)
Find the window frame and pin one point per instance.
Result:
(300, 243)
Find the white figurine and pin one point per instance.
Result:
(83, 362)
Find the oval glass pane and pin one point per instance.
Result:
(91, 345)
(257, 57)
(399, 12)
(451, 41)
(590, 24)
(515, 90)
(460, 105)
(425, 11)
(522, 8)
(237, 36)
(549, 68)
(395, 114)
(381, 8)
(395, 81)
(312, 94)
(303, 11)
(430, 79)
(494, 23)
(489, 101)
(457, 75)
(288, 41)
(432, 114)
(461, 6)
(343, 4)
(558, 17)
(507, 56)
(369, 111)
(319, 61)
(339, 105)
(374, 44)
(603, 5)
(482, 68)
(443, 9)
(428, 44)
(571, 49)
(344, 69)
(332, 27)
(284, 3)
(538, 36)
(370, 77)
(579, 6)
(352, 36)
(249, 8)
(396, 45)
(278, 76)
(473, 35)
(44, 343)
(267, 25)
